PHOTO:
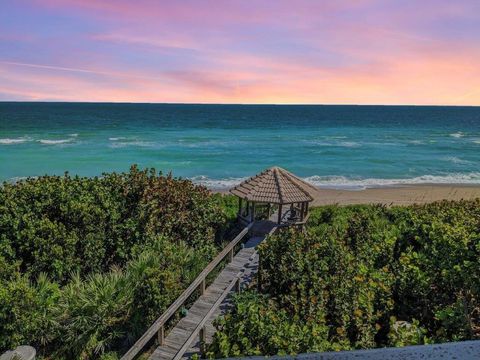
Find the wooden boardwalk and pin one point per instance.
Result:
(209, 305)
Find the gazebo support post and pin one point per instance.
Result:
(253, 212)
(279, 214)
(268, 211)
(240, 206)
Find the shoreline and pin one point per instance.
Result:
(401, 194)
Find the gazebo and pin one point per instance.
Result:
(276, 195)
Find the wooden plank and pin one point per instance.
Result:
(176, 343)
(198, 312)
(205, 319)
(206, 304)
(187, 324)
(172, 309)
(163, 352)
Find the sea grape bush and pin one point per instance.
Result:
(362, 277)
(86, 264)
(61, 224)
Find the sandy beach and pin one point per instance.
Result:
(404, 195)
(399, 195)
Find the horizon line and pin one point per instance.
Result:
(227, 104)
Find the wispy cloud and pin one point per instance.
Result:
(50, 67)
(79, 70)
(363, 51)
(175, 43)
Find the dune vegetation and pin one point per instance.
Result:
(87, 264)
(362, 277)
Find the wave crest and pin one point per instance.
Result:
(122, 144)
(217, 184)
(346, 183)
(342, 182)
(455, 160)
(54, 142)
(13, 141)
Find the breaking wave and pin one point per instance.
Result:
(455, 160)
(54, 142)
(342, 182)
(346, 183)
(122, 144)
(217, 184)
(11, 141)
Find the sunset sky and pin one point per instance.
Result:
(321, 52)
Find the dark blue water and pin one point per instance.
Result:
(339, 146)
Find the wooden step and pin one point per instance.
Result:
(244, 263)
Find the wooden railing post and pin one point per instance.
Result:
(203, 339)
(199, 283)
(237, 285)
(202, 287)
(259, 274)
(161, 336)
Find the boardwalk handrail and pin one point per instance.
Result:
(194, 334)
(234, 283)
(158, 326)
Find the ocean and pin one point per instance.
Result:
(351, 147)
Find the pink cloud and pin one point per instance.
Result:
(200, 11)
(238, 51)
(163, 42)
(414, 79)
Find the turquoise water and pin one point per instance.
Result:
(218, 145)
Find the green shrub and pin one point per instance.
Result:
(93, 313)
(28, 312)
(87, 264)
(159, 274)
(258, 326)
(356, 271)
(59, 225)
(403, 333)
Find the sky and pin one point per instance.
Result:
(241, 51)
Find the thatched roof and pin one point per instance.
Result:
(276, 186)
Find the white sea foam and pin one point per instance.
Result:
(457, 134)
(349, 144)
(54, 142)
(73, 135)
(455, 160)
(345, 183)
(334, 143)
(16, 179)
(350, 183)
(211, 143)
(10, 141)
(122, 144)
(220, 184)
